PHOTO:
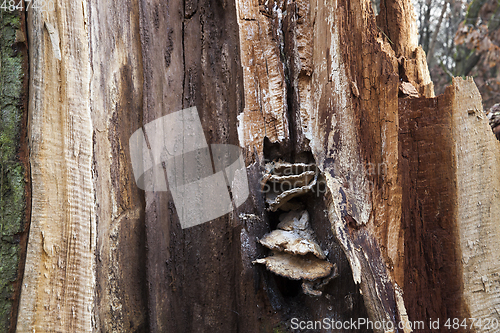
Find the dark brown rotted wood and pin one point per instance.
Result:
(201, 279)
(433, 281)
(196, 278)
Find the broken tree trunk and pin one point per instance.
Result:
(391, 215)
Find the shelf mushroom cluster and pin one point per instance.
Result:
(295, 252)
(284, 181)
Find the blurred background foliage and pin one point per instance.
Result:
(461, 38)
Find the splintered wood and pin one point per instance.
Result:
(423, 207)
(263, 78)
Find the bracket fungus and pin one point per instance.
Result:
(285, 181)
(296, 268)
(294, 236)
(296, 254)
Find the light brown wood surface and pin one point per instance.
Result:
(409, 209)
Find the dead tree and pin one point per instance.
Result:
(401, 220)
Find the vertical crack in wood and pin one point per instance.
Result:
(265, 112)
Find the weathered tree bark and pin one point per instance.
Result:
(408, 190)
(14, 170)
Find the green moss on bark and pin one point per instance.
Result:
(12, 183)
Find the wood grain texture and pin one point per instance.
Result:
(354, 142)
(447, 162)
(408, 207)
(196, 281)
(116, 97)
(57, 291)
(477, 160)
(397, 20)
(432, 253)
(265, 89)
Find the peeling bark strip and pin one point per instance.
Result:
(14, 166)
(58, 284)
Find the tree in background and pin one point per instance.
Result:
(461, 38)
(478, 51)
(332, 105)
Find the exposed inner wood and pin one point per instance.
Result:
(264, 83)
(432, 252)
(116, 105)
(59, 278)
(403, 206)
(477, 157)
